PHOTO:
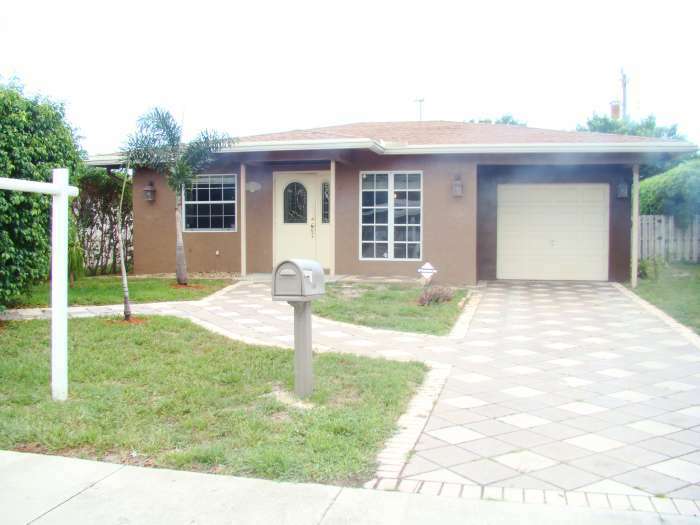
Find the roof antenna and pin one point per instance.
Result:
(420, 101)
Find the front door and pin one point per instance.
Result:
(302, 216)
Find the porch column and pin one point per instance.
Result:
(242, 213)
(634, 241)
(332, 220)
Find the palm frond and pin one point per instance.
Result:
(156, 143)
(161, 124)
(199, 152)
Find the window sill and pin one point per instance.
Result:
(384, 259)
(213, 230)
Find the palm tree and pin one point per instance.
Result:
(157, 145)
(122, 251)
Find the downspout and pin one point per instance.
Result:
(634, 241)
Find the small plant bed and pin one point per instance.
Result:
(167, 393)
(108, 290)
(394, 306)
(675, 288)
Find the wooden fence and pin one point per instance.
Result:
(660, 237)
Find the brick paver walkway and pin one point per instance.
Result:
(566, 387)
(559, 392)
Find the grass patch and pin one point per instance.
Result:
(393, 306)
(676, 290)
(108, 290)
(168, 393)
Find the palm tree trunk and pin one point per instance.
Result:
(180, 257)
(122, 259)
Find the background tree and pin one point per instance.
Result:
(504, 119)
(157, 145)
(34, 138)
(645, 127)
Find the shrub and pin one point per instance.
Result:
(34, 138)
(435, 295)
(650, 268)
(95, 211)
(675, 192)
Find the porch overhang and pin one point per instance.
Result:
(340, 150)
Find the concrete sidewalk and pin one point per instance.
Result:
(52, 489)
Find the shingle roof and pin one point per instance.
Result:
(444, 137)
(446, 132)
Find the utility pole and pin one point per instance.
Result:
(420, 101)
(624, 80)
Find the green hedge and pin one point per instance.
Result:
(675, 192)
(34, 138)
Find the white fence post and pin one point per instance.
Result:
(59, 287)
(60, 190)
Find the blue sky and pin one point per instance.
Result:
(250, 67)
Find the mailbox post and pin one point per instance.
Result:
(300, 281)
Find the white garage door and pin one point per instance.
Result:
(553, 231)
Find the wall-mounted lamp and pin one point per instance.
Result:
(457, 186)
(253, 186)
(622, 190)
(149, 192)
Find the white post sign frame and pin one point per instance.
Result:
(60, 190)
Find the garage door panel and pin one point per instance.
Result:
(524, 247)
(595, 221)
(585, 242)
(553, 231)
(543, 268)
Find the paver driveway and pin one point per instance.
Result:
(562, 388)
(566, 386)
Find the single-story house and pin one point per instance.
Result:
(477, 201)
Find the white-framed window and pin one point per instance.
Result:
(209, 203)
(391, 215)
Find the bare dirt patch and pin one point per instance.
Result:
(289, 399)
(34, 448)
(187, 286)
(132, 320)
(347, 397)
(281, 417)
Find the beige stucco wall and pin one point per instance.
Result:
(449, 223)
(154, 235)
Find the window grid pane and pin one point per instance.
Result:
(326, 202)
(210, 203)
(375, 216)
(391, 215)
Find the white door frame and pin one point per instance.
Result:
(331, 172)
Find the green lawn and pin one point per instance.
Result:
(391, 306)
(108, 290)
(676, 291)
(168, 393)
